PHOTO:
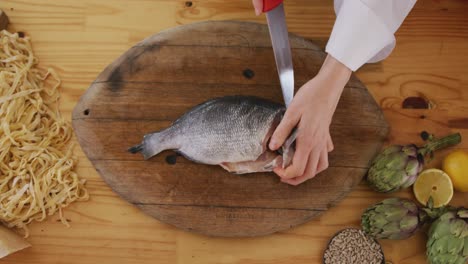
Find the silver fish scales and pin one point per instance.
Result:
(231, 131)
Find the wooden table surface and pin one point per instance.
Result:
(79, 38)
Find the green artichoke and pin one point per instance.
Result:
(397, 167)
(396, 218)
(448, 238)
(393, 218)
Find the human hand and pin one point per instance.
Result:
(258, 5)
(311, 111)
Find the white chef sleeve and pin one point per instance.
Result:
(364, 30)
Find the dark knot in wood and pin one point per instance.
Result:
(248, 73)
(415, 103)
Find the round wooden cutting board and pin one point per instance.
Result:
(162, 77)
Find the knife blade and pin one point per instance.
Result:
(280, 41)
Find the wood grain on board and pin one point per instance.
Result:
(162, 77)
(80, 38)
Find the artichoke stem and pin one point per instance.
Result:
(423, 216)
(440, 143)
(429, 214)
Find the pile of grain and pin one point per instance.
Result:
(353, 246)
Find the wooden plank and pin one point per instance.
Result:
(188, 184)
(202, 64)
(134, 101)
(238, 220)
(250, 35)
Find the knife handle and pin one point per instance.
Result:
(270, 4)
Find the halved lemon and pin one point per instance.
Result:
(433, 183)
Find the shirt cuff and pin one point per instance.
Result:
(359, 36)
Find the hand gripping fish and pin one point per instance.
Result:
(231, 131)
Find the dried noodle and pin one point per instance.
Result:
(37, 175)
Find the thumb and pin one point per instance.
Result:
(258, 5)
(287, 124)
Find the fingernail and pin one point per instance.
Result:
(273, 145)
(257, 12)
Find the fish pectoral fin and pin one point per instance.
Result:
(277, 162)
(265, 162)
(288, 149)
(234, 167)
(290, 140)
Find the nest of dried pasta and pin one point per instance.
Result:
(37, 176)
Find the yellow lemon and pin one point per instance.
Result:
(456, 166)
(433, 183)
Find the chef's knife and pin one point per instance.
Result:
(280, 41)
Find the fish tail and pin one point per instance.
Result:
(149, 152)
(152, 145)
(135, 149)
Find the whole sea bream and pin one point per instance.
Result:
(231, 131)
